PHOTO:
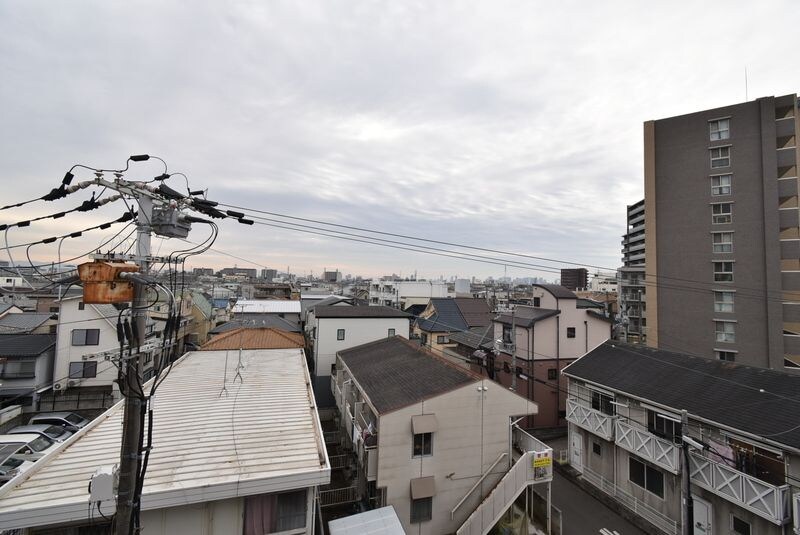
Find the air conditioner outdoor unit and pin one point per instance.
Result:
(796, 513)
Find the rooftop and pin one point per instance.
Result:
(474, 338)
(759, 401)
(22, 323)
(263, 436)
(525, 316)
(359, 311)
(259, 320)
(254, 338)
(25, 345)
(558, 291)
(266, 306)
(395, 372)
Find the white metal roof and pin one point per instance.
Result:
(381, 521)
(262, 436)
(266, 306)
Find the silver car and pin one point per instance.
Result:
(53, 432)
(68, 420)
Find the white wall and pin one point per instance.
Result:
(358, 331)
(473, 430)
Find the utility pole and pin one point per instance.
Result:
(132, 416)
(687, 509)
(513, 351)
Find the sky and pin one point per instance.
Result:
(512, 126)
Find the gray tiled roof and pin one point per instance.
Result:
(446, 318)
(759, 401)
(525, 316)
(361, 311)
(475, 338)
(395, 372)
(258, 321)
(21, 323)
(25, 345)
(476, 312)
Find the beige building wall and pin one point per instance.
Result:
(473, 430)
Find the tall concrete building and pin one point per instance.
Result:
(631, 277)
(721, 227)
(575, 278)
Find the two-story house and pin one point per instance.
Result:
(26, 368)
(640, 417)
(28, 323)
(432, 439)
(547, 336)
(338, 327)
(443, 316)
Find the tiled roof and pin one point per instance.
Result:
(475, 338)
(476, 312)
(395, 372)
(558, 291)
(25, 345)
(361, 311)
(200, 301)
(259, 320)
(255, 338)
(266, 306)
(21, 323)
(446, 318)
(759, 401)
(525, 316)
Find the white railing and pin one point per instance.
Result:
(542, 454)
(762, 498)
(647, 446)
(338, 496)
(347, 416)
(486, 515)
(590, 419)
(372, 463)
(640, 508)
(338, 461)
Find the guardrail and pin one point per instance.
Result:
(644, 444)
(340, 496)
(590, 419)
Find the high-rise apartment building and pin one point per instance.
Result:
(575, 278)
(631, 276)
(721, 226)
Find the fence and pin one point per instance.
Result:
(340, 496)
(72, 401)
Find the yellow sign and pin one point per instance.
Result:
(541, 462)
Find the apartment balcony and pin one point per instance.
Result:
(764, 499)
(648, 446)
(592, 420)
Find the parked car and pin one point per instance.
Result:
(53, 432)
(68, 420)
(12, 464)
(30, 445)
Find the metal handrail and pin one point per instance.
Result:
(475, 486)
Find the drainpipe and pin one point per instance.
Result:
(586, 338)
(558, 366)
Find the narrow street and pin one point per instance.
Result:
(582, 514)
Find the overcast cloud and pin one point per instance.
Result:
(508, 125)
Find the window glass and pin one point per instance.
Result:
(740, 527)
(721, 213)
(729, 356)
(723, 271)
(40, 444)
(423, 445)
(55, 431)
(74, 418)
(391, 332)
(655, 481)
(340, 334)
(722, 242)
(721, 185)
(603, 403)
(720, 157)
(723, 301)
(636, 471)
(570, 332)
(725, 331)
(596, 448)
(719, 129)
(421, 510)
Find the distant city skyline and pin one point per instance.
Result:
(515, 127)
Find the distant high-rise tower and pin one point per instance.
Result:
(722, 226)
(575, 278)
(631, 276)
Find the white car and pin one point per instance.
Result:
(68, 420)
(29, 446)
(53, 432)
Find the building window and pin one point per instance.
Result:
(723, 271)
(421, 510)
(739, 526)
(722, 242)
(723, 301)
(721, 184)
(645, 476)
(340, 334)
(18, 369)
(597, 449)
(271, 513)
(506, 334)
(603, 403)
(728, 356)
(53, 309)
(552, 374)
(537, 301)
(721, 213)
(726, 331)
(663, 426)
(441, 339)
(391, 332)
(423, 445)
(81, 305)
(83, 369)
(424, 338)
(719, 129)
(570, 332)
(720, 157)
(85, 337)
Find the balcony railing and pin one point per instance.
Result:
(590, 419)
(542, 454)
(762, 498)
(371, 464)
(638, 441)
(338, 496)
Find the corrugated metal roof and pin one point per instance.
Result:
(262, 436)
(259, 320)
(255, 338)
(381, 521)
(266, 306)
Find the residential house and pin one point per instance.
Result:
(257, 321)
(202, 318)
(403, 294)
(636, 414)
(254, 338)
(444, 316)
(28, 323)
(9, 308)
(26, 368)
(547, 336)
(289, 310)
(250, 466)
(338, 327)
(432, 439)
